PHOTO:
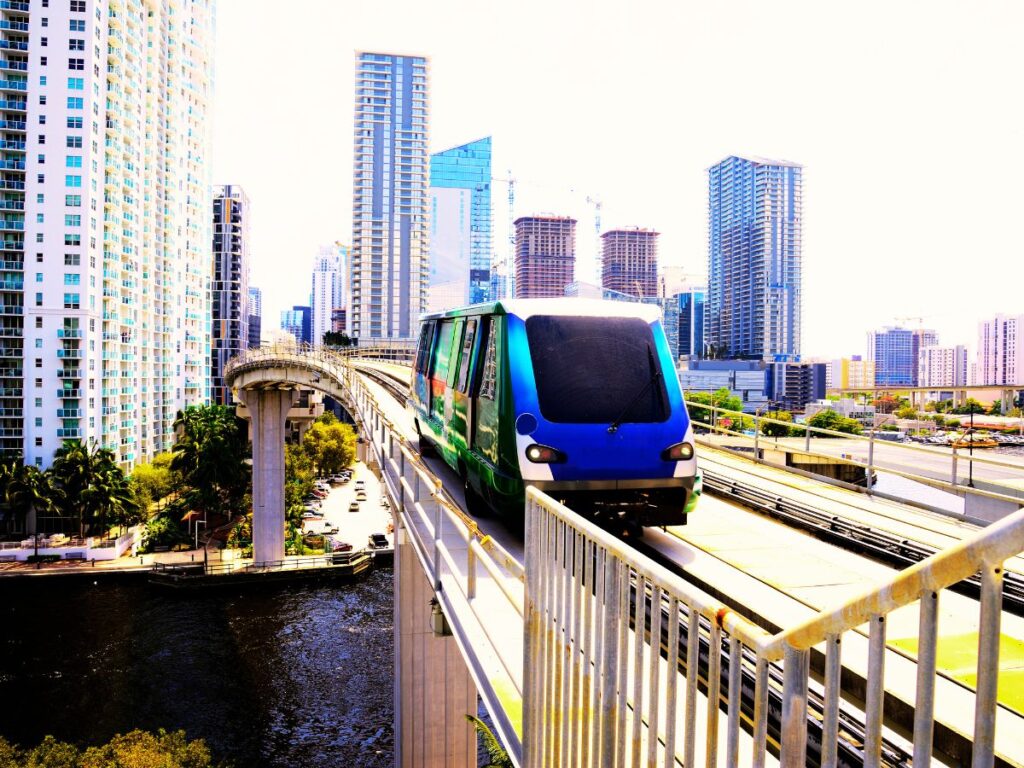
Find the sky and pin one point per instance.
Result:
(907, 117)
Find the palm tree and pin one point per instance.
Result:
(210, 453)
(31, 489)
(78, 469)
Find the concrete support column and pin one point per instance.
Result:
(268, 409)
(433, 688)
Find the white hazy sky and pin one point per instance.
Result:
(907, 116)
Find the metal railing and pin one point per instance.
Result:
(599, 616)
(478, 583)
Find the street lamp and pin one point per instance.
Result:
(970, 451)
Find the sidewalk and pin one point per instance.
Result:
(124, 564)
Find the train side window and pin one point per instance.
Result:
(423, 349)
(442, 350)
(489, 379)
(456, 345)
(467, 350)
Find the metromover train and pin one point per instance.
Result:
(577, 397)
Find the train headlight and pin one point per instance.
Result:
(678, 452)
(542, 454)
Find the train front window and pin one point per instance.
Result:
(588, 369)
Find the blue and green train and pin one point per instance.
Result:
(577, 397)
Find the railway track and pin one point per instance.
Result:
(853, 536)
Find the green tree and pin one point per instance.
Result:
(777, 430)
(330, 445)
(829, 419)
(970, 406)
(337, 339)
(721, 400)
(32, 489)
(52, 754)
(905, 412)
(210, 457)
(152, 481)
(86, 477)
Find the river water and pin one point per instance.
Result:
(282, 676)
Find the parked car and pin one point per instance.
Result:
(361, 496)
(353, 507)
(340, 546)
(378, 541)
(360, 485)
(311, 515)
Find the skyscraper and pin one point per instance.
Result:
(230, 289)
(942, 366)
(298, 321)
(545, 255)
(691, 322)
(255, 315)
(896, 354)
(460, 225)
(328, 295)
(390, 204)
(754, 258)
(629, 261)
(1000, 351)
(107, 198)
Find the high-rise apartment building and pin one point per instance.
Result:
(255, 316)
(1000, 351)
(629, 261)
(942, 366)
(104, 145)
(460, 225)
(753, 307)
(896, 352)
(328, 294)
(229, 291)
(390, 203)
(545, 255)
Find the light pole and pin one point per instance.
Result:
(970, 451)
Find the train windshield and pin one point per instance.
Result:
(593, 370)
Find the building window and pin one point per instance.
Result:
(39, 322)
(43, 41)
(42, 119)
(72, 161)
(39, 218)
(71, 301)
(71, 278)
(42, 61)
(42, 79)
(42, 99)
(39, 277)
(39, 400)
(77, 25)
(39, 444)
(70, 239)
(39, 237)
(75, 102)
(39, 383)
(72, 181)
(39, 343)
(73, 201)
(40, 198)
(39, 299)
(76, 84)
(39, 362)
(76, 44)
(40, 178)
(72, 220)
(74, 142)
(74, 122)
(78, 6)
(39, 258)
(76, 64)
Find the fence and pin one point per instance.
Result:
(599, 615)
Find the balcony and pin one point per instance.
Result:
(69, 333)
(69, 354)
(12, 125)
(69, 394)
(69, 433)
(69, 373)
(69, 413)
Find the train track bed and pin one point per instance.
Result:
(785, 576)
(894, 533)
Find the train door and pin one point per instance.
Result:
(462, 411)
(485, 413)
(421, 372)
(453, 371)
(439, 369)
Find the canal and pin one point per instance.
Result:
(284, 676)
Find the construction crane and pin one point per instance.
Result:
(902, 320)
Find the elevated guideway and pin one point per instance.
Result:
(588, 652)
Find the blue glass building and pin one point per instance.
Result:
(298, 321)
(460, 225)
(895, 353)
(690, 306)
(754, 258)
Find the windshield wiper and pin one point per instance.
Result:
(614, 426)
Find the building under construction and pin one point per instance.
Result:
(629, 261)
(545, 255)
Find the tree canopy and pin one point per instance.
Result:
(330, 445)
(210, 455)
(721, 399)
(829, 419)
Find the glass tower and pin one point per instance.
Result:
(754, 258)
(390, 205)
(460, 225)
(230, 287)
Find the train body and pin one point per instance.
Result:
(576, 397)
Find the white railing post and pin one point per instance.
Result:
(983, 755)
(794, 708)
